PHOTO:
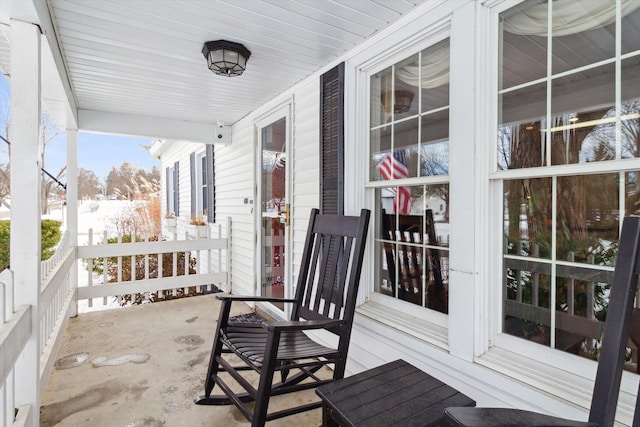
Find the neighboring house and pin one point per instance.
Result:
(505, 116)
(496, 143)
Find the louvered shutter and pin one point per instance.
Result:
(176, 188)
(332, 141)
(168, 190)
(194, 183)
(211, 184)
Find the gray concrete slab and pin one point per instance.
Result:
(143, 366)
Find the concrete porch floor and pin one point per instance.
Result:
(142, 367)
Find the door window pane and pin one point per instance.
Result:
(274, 159)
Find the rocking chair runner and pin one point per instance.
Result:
(325, 298)
(610, 364)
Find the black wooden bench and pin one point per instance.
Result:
(394, 394)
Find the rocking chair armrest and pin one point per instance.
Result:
(252, 298)
(297, 325)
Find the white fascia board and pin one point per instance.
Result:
(145, 126)
(56, 86)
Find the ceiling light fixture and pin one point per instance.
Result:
(226, 58)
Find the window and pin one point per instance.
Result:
(203, 184)
(409, 167)
(173, 186)
(199, 192)
(568, 116)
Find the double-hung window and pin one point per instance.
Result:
(173, 187)
(567, 164)
(199, 191)
(203, 185)
(409, 175)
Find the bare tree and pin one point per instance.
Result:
(88, 184)
(48, 133)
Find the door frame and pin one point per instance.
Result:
(284, 110)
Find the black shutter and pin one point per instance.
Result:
(211, 184)
(169, 178)
(194, 182)
(176, 188)
(332, 141)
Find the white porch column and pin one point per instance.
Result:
(72, 205)
(25, 201)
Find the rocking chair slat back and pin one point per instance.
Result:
(328, 269)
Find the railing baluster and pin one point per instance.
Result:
(90, 267)
(105, 267)
(175, 270)
(146, 261)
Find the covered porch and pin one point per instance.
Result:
(514, 129)
(148, 79)
(143, 366)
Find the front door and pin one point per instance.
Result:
(273, 139)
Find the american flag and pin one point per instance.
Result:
(395, 167)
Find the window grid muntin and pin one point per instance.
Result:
(378, 184)
(621, 167)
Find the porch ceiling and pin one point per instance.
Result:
(143, 58)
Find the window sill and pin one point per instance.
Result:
(562, 387)
(414, 327)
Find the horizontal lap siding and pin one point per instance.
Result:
(234, 182)
(235, 178)
(305, 170)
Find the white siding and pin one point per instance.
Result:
(235, 181)
(179, 151)
(496, 376)
(305, 174)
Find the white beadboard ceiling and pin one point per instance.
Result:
(143, 57)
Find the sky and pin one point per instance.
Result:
(96, 152)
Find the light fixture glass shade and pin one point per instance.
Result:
(226, 58)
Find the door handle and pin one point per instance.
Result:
(286, 212)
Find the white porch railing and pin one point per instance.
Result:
(15, 330)
(58, 296)
(153, 265)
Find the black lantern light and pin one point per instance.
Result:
(226, 58)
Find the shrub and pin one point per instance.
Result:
(167, 271)
(50, 235)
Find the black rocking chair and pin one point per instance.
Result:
(610, 364)
(325, 298)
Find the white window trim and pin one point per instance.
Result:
(171, 191)
(420, 322)
(534, 364)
